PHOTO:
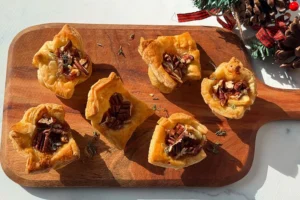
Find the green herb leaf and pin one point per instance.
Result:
(90, 150)
(132, 36)
(220, 132)
(233, 106)
(154, 107)
(214, 148)
(95, 134)
(121, 52)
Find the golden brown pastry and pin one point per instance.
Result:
(45, 137)
(113, 111)
(177, 142)
(62, 63)
(230, 90)
(171, 60)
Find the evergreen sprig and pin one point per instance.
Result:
(215, 4)
(259, 51)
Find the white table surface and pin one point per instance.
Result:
(274, 173)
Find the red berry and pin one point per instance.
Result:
(294, 6)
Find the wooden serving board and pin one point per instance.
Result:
(129, 168)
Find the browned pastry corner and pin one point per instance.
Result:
(177, 142)
(45, 138)
(113, 111)
(62, 63)
(171, 60)
(230, 90)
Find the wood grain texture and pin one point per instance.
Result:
(129, 168)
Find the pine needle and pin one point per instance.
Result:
(259, 51)
(215, 4)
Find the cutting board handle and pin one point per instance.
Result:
(287, 100)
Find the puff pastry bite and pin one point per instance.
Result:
(113, 111)
(177, 142)
(230, 90)
(45, 137)
(171, 60)
(62, 63)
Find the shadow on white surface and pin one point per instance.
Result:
(279, 77)
(275, 153)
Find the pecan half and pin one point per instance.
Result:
(176, 66)
(80, 67)
(70, 58)
(119, 112)
(181, 143)
(225, 90)
(50, 135)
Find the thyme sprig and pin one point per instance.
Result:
(214, 148)
(221, 132)
(121, 52)
(132, 36)
(90, 149)
(154, 107)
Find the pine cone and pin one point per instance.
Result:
(260, 12)
(288, 51)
